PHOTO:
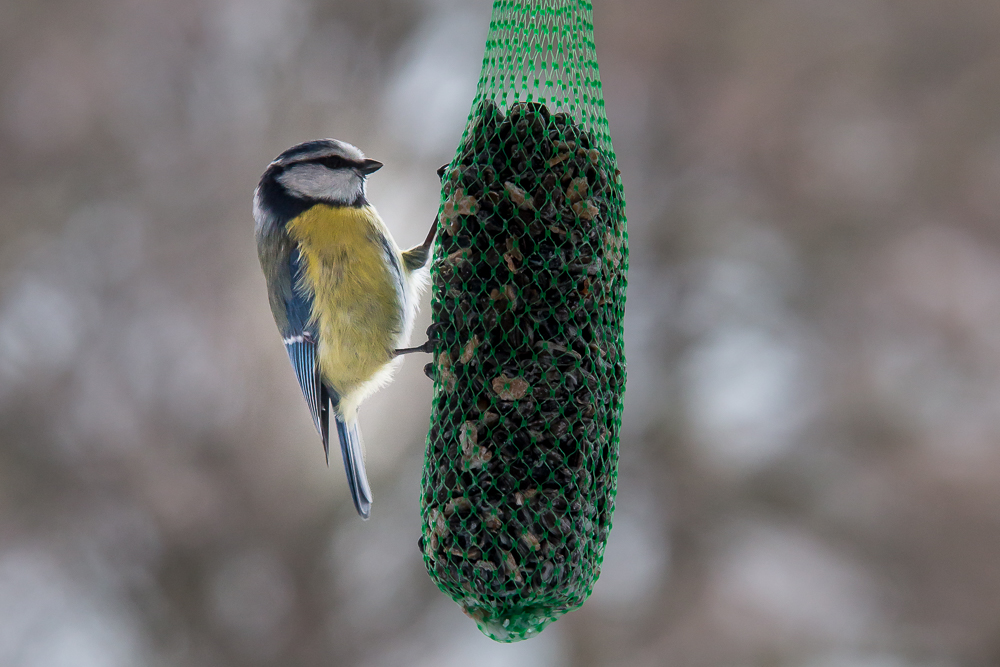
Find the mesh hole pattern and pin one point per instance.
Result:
(528, 298)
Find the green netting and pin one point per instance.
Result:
(527, 306)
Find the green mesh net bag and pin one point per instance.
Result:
(527, 306)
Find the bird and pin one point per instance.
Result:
(342, 294)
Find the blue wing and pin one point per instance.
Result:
(301, 341)
(302, 353)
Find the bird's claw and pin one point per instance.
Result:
(428, 346)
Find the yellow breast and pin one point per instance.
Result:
(357, 304)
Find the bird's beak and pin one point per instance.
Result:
(370, 166)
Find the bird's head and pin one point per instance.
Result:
(324, 170)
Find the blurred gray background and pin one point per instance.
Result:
(810, 471)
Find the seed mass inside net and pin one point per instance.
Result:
(520, 475)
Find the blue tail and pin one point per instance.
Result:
(354, 464)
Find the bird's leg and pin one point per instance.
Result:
(417, 256)
(428, 346)
(426, 245)
(414, 258)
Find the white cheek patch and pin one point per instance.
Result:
(314, 181)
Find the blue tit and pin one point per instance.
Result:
(342, 294)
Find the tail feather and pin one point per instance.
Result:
(354, 464)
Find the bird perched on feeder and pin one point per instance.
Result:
(341, 292)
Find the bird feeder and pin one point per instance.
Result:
(527, 306)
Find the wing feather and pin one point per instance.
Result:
(301, 343)
(302, 353)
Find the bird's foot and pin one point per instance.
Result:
(426, 347)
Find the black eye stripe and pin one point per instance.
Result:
(334, 162)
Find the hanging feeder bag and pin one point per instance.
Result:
(527, 306)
